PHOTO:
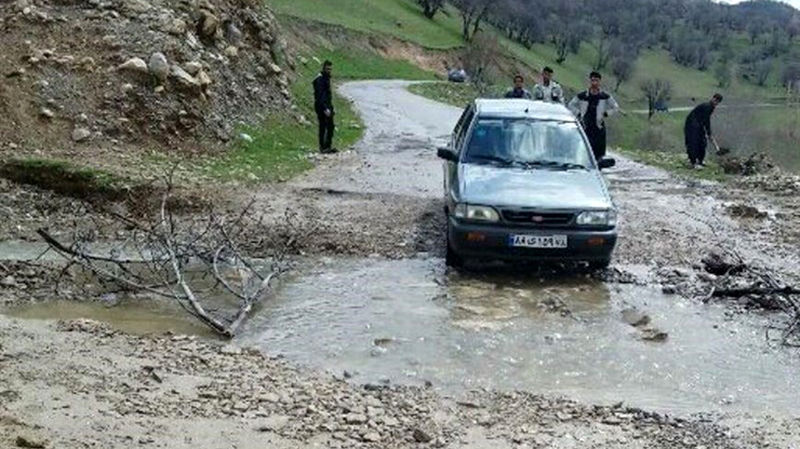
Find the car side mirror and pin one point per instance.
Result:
(606, 162)
(447, 154)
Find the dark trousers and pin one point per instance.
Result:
(597, 139)
(696, 143)
(326, 129)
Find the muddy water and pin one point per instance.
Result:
(409, 322)
(139, 317)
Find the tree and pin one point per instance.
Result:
(472, 13)
(430, 7)
(722, 73)
(655, 91)
(762, 69)
(790, 75)
(480, 59)
(622, 67)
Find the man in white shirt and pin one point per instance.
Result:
(548, 90)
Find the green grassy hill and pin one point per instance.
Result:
(403, 20)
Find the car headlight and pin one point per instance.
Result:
(476, 213)
(597, 218)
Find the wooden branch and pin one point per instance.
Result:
(761, 291)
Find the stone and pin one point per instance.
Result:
(158, 66)
(80, 134)
(232, 33)
(635, 318)
(669, 290)
(9, 281)
(246, 137)
(87, 62)
(47, 113)
(209, 24)
(134, 65)
(183, 78)
(177, 27)
(193, 68)
(272, 423)
(136, 6)
(275, 68)
(371, 437)
(203, 79)
(355, 418)
(420, 436)
(655, 335)
(241, 406)
(127, 87)
(27, 441)
(231, 52)
(269, 397)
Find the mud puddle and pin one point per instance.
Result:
(408, 322)
(138, 317)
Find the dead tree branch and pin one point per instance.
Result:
(190, 259)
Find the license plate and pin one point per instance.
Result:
(538, 241)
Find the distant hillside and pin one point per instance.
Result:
(655, 36)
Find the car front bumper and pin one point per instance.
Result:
(492, 242)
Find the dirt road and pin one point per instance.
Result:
(78, 384)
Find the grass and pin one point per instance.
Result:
(281, 145)
(398, 18)
(456, 94)
(676, 163)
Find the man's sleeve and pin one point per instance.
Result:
(613, 106)
(707, 119)
(558, 94)
(574, 106)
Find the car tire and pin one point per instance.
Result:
(602, 264)
(451, 258)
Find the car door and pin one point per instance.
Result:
(456, 145)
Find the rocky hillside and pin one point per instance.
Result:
(84, 75)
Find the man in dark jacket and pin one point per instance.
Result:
(519, 91)
(697, 130)
(323, 105)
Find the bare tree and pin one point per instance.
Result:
(722, 72)
(761, 71)
(480, 58)
(472, 13)
(622, 66)
(193, 261)
(430, 7)
(655, 91)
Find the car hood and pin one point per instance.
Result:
(535, 188)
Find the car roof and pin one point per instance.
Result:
(520, 108)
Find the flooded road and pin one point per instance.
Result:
(409, 322)
(390, 313)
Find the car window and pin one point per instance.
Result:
(527, 141)
(469, 114)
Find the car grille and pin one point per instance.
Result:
(534, 218)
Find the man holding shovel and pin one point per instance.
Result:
(697, 131)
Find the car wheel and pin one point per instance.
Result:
(595, 265)
(451, 258)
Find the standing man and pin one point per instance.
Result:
(519, 91)
(592, 106)
(323, 105)
(548, 90)
(697, 131)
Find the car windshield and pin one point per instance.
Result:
(529, 143)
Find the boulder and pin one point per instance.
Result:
(134, 65)
(208, 25)
(182, 77)
(158, 66)
(635, 318)
(80, 134)
(193, 68)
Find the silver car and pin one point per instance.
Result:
(521, 183)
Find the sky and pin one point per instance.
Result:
(795, 3)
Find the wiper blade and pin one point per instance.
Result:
(498, 159)
(555, 164)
